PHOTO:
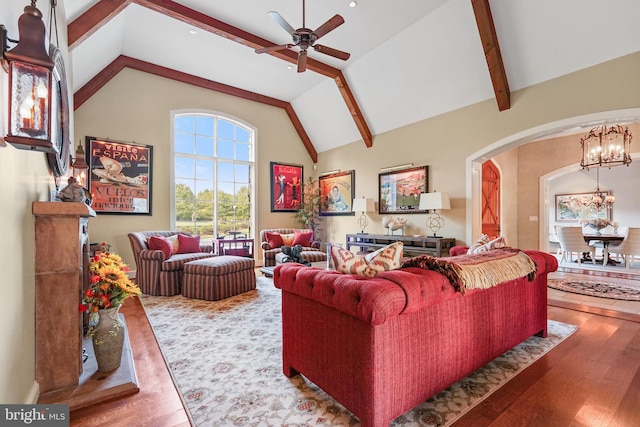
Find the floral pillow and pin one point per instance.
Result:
(384, 259)
(287, 239)
(484, 244)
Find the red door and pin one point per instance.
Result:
(490, 199)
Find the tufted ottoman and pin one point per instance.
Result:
(219, 277)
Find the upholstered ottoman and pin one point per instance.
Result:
(220, 277)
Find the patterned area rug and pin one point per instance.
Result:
(597, 289)
(225, 359)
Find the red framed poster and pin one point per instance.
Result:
(286, 187)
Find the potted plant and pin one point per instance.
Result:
(309, 213)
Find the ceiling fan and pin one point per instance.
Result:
(305, 38)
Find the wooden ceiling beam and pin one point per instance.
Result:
(84, 93)
(94, 19)
(98, 15)
(491, 47)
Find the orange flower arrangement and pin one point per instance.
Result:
(110, 285)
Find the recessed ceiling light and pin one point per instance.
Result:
(192, 31)
(289, 67)
(353, 3)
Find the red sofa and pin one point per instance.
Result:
(381, 346)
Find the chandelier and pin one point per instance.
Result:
(600, 198)
(606, 147)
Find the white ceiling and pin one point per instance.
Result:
(410, 59)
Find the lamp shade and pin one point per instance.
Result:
(434, 201)
(363, 205)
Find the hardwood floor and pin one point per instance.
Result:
(591, 379)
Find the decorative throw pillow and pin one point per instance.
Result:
(274, 240)
(302, 238)
(384, 259)
(188, 244)
(484, 244)
(175, 243)
(287, 239)
(159, 243)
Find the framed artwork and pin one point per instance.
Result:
(286, 189)
(119, 177)
(574, 207)
(399, 191)
(336, 193)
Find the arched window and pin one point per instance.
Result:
(213, 169)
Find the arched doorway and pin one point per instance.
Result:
(475, 161)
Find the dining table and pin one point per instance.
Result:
(606, 239)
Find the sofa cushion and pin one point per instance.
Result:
(384, 259)
(287, 239)
(274, 240)
(160, 243)
(188, 244)
(302, 238)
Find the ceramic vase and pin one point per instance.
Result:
(108, 340)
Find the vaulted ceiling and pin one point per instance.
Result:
(410, 59)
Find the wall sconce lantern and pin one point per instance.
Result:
(30, 75)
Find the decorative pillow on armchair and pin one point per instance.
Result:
(384, 259)
(188, 244)
(159, 243)
(302, 238)
(274, 240)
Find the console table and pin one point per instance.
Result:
(418, 245)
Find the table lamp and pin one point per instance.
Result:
(434, 201)
(363, 205)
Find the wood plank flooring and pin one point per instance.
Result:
(591, 379)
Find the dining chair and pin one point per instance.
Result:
(629, 247)
(571, 240)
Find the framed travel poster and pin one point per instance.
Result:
(119, 177)
(286, 187)
(399, 191)
(337, 191)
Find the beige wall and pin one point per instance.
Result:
(24, 178)
(135, 107)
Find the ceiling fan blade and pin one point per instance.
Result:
(302, 61)
(330, 25)
(332, 52)
(273, 48)
(282, 22)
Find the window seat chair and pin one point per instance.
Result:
(156, 274)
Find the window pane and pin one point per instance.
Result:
(204, 146)
(184, 123)
(242, 152)
(204, 125)
(225, 172)
(204, 169)
(242, 174)
(183, 143)
(242, 135)
(184, 167)
(225, 149)
(204, 211)
(204, 190)
(225, 129)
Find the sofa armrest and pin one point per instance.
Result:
(152, 255)
(316, 244)
(265, 246)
